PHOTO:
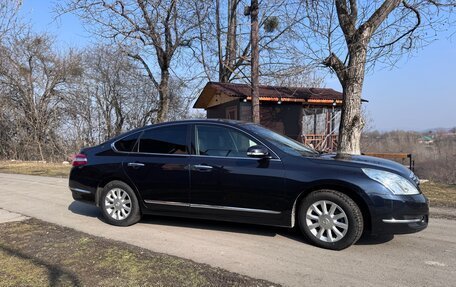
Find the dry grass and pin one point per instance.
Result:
(35, 168)
(35, 253)
(440, 195)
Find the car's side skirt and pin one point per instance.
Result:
(219, 213)
(206, 206)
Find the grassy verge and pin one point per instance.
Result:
(35, 168)
(35, 253)
(440, 195)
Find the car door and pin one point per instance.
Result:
(159, 165)
(223, 177)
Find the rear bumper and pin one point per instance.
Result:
(83, 195)
(81, 185)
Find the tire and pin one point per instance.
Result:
(330, 219)
(122, 212)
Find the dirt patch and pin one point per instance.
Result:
(35, 253)
(440, 195)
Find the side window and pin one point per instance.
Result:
(166, 140)
(127, 143)
(221, 141)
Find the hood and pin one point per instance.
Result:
(368, 162)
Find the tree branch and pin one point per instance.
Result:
(333, 62)
(409, 32)
(371, 25)
(146, 67)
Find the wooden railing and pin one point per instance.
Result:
(321, 141)
(324, 142)
(397, 156)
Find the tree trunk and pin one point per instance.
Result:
(38, 143)
(163, 108)
(255, 62)
(352, 122)
(227, 65)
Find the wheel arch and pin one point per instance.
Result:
(352, 191)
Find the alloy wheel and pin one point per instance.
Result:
(118, 203)
(327, 221)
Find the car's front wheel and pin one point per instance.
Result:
(119, 204)
(330, 219)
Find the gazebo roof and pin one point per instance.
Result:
(215, 93)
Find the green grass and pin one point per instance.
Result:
(35, 253)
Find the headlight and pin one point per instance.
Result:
(395, 183)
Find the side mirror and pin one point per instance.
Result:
(258, 151)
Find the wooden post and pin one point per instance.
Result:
(255, 62)
(315, 121)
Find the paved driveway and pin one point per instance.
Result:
(279, 255)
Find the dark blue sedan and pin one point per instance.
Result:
(235, 171)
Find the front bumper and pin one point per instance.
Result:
(404, 226)
(399, 214)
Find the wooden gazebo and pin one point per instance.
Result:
(282, 109)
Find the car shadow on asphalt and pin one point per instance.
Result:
(368, 239)
(233, 227)
(90, 210)
(85, 209)
(212, 225)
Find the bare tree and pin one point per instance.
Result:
(224, 46)
(158, 30)
(32, 80)
(8, 17)
(111, 96)
(350, 36)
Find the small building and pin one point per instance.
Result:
(282, 109)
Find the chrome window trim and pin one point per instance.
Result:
(217, 207)
(80, 190)
(192, 155)
(113, 147)
(242, 131)
(392, 220)
(233, 157)
(140, 134)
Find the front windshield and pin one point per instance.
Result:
(284, 143)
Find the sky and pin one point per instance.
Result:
(419, 94)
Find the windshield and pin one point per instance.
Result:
(286, 144)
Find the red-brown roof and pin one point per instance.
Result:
(267, 93)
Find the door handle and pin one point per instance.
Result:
(135, 164)
(202, 167)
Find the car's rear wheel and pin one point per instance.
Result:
(119, 204)
(330, 219)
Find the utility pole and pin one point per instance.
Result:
(255, 62)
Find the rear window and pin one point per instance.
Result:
(165, 140)
(127, 143)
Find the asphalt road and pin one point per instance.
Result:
(279, 255)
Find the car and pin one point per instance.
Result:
(242, 172)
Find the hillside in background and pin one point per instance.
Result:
(434, 152)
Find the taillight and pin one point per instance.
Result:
(79, 159)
